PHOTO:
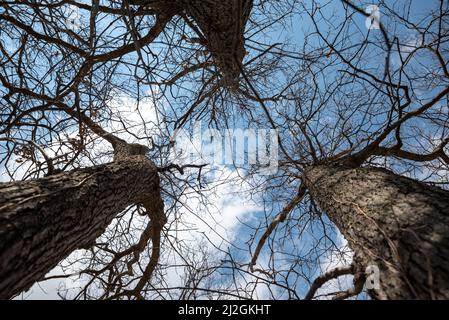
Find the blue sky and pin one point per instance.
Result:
(300, 236)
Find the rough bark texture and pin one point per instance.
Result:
(222, 24)
(398, 224)
(43, 221)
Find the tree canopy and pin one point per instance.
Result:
(98, 86)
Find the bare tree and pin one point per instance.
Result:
(362, 134)
(75, 203)
(374, 113)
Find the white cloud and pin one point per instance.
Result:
(218, 219)
(341, 257)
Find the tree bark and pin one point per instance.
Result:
(221, 23)
(395, 223)
(43, 221)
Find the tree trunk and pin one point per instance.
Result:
(395, 223)
(43, 221)
(221, 23)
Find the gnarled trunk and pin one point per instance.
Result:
(395, 223)
(43, 221)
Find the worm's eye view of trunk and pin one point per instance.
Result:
(200, 150)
